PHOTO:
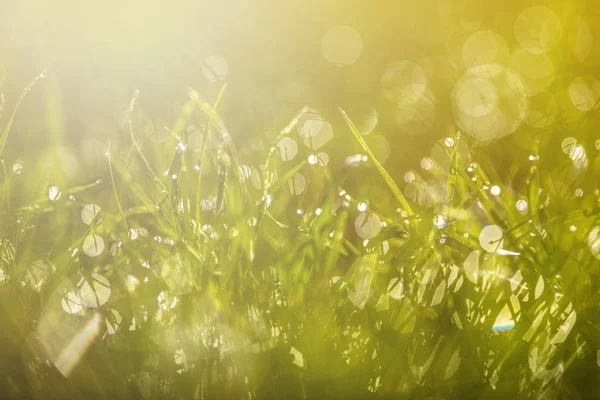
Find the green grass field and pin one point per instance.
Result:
(176, 260)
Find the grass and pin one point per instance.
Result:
(199, 276)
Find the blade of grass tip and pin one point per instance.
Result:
(452, 178)
(114, 186)
(333, 253)
(135, 143)
(288, 175)
(142, 196)
(386, 177)
(202, 153)
(210, 111)
(267, 173)
(7, 189)
(6, 186)
(44, 199)
(7, 128)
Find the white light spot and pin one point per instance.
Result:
(93, 245)
(341, 45)
(440, 221)
(323, 158)
(297, 184)
(521, 205)
(395, 288)
(426, 163)
(287, 148)
(367, 225)
(298, 357)
(362, 206)
(495, 190)
(215, 68)
(89, 212)
(584, 92)
(95, 293)
(71, 303)
(54, 193)
(181, 146)
(490, 238)
(538, 28)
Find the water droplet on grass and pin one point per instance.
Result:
(490, 238)
(54, 193)
(181, 147)
(521, 205)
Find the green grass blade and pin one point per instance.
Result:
(7, 128)
(384, 174)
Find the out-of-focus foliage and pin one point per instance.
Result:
(165, 258)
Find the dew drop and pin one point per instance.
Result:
(181, 147)
(54, 193)
(521, 205)
(355, 160)
(440, 221)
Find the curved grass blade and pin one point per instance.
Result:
(7, 128)
(386, 177)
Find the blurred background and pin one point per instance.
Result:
(276, 58)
